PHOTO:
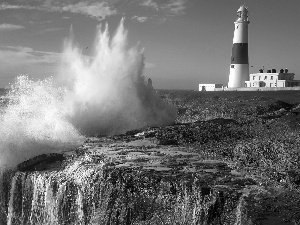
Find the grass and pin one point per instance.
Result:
(262, 134)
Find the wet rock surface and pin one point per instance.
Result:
(239, 168)
(41, 162)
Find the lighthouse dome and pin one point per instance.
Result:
(242, 14)
(242, 8)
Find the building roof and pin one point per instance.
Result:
(270, 74)
(243, 8)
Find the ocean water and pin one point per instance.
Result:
(103, 94)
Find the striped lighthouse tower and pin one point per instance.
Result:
(239, 68)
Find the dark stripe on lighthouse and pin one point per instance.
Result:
(239, 53)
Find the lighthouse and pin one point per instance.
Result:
(239, 67)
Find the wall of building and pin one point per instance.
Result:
(271, 76)
(272, 80)
(262, 89)
(209, 87)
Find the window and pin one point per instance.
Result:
(258, 77)
(271, 77)
(265, 77)
(232, 66)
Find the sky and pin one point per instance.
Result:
(186, 42)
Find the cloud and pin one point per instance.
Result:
(93, 9)
(150, 3)
(140, 19)
(40, 22)
(10, 27)
(15, 60)
(175, 6)
(18, 55)
(53, 29)
(97, 10)
(166, 8)
(4, 6)
(100, 9)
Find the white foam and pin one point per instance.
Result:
(104, 94)
(107, 92)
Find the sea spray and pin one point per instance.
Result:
(108, 92)
(104, 94)
(34, 122)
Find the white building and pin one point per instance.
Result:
(210, 87)
(272, 79)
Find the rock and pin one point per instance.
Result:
(222, 121)
(167, 142)
(168, 186)
(40, 162)
(280, 105)
(221, 171)
(155, 185)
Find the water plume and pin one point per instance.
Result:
(34, 122)
(105, 94)
(108, 92)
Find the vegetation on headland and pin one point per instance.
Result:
(258, 131)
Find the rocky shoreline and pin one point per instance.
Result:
(237, 165)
